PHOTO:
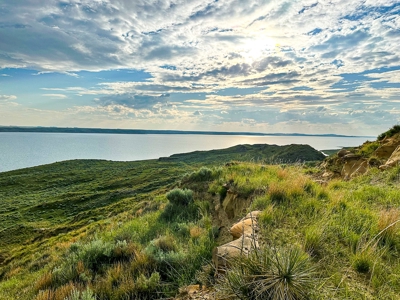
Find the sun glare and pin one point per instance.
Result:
(255, 48)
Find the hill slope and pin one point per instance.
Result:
(48, 201)
(119, 230)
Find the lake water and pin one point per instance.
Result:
(20, 150)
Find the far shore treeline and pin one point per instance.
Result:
(146, 131)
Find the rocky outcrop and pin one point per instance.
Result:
(387, 147)
(246, 226)
(343, 153)
(332, 168)
(394, 160)
(245, 235)
(353, 165)
(232, 204)
(348, 164)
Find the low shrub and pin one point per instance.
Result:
(165, 243)
(180, 213)
(180, 197)
(203, 174)
(181, 206)
(367, 148)
(222, 191)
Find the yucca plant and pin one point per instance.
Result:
(85, 295)
(269, 274)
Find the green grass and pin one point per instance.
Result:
(142, 230)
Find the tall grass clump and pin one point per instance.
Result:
(313, 240)
(284, 273)
(388, 226)
(393, 175)
(366, 256)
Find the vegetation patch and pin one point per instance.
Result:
(391, 132)
(142, 230)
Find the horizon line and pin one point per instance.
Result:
(12, 128)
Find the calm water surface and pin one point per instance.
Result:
(20, 150)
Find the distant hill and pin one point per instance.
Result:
(259, 152)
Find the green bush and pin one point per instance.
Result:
(222, 191)
(203, 174)
(391, 132)
(180, 197)
(367, 148)
(180, 213)
(181, 206)
(93, 253)
(165, 243)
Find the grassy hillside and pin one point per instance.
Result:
(262, 153)
(121, 230)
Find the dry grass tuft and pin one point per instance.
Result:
(44, 282)
(388, 226)
(195, 232)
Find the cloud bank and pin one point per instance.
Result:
(318, 65)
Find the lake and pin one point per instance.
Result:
(20, 150)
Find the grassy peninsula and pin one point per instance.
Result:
(90, 229)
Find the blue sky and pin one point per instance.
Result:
(230, 65)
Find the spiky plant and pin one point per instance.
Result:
(269, 274)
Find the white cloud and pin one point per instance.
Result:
(55, 96)
(7, 97)
(295, 52)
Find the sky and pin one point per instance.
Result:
(323, 66)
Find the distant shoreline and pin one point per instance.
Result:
(145, 131)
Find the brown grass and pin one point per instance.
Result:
(282, 174)
(195, 232)
(13, 272)
(44, 282)
(165, 243)
(59, 294)
(386, 218)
